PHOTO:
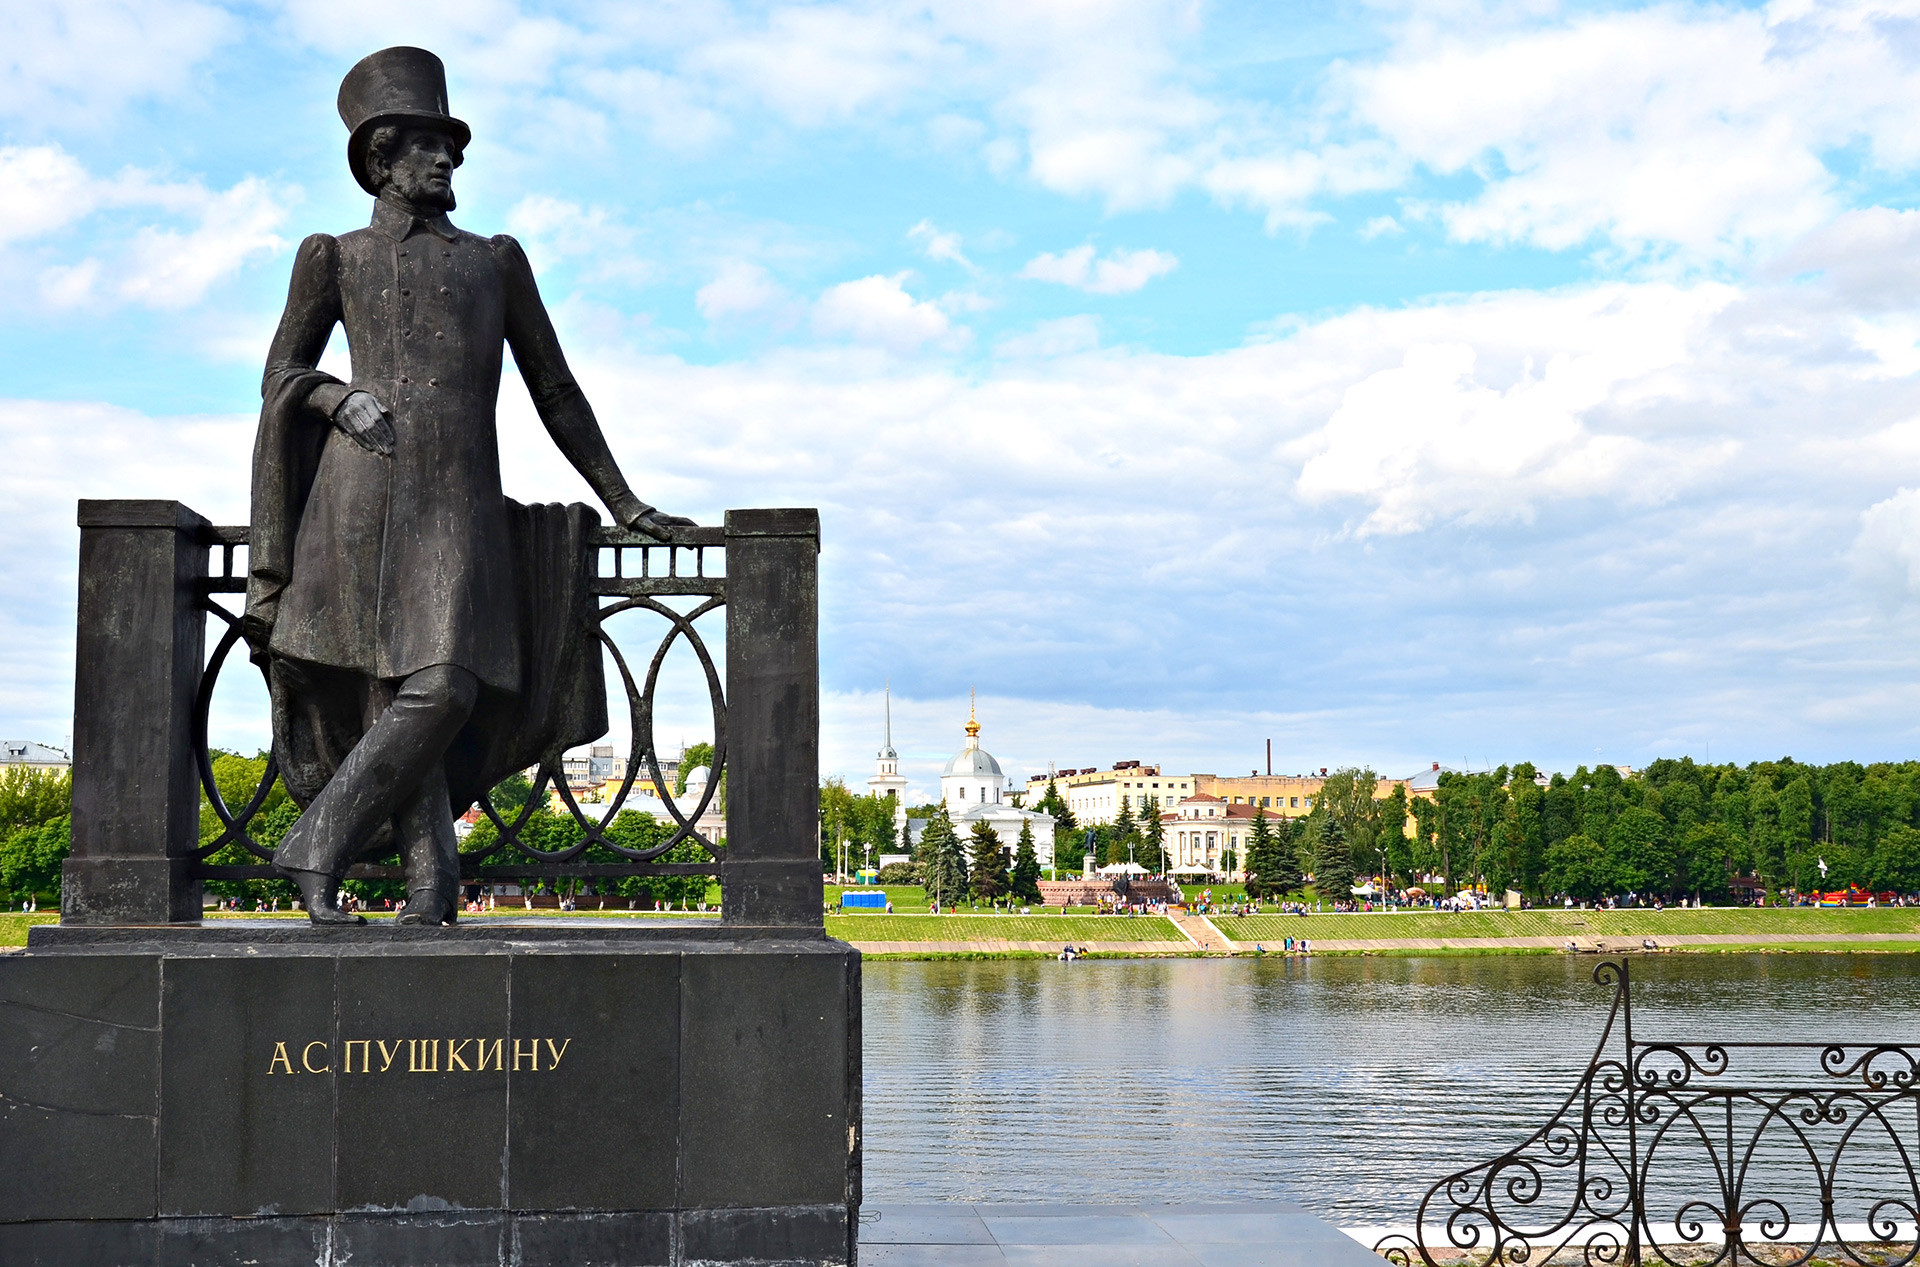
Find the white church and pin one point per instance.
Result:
(974, 788)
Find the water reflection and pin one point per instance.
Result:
(1346, 1084)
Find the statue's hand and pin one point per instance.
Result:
(655, 523)
(365, 423)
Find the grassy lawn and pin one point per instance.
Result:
(1572, 923)
(14, 925)
(1046, 928)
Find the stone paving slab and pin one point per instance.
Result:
(1237, 1234)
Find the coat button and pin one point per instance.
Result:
(445, 291)
(403, 378)
(406, 292)
(433, 382)
(439, 334)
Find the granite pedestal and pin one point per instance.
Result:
(561, 1092)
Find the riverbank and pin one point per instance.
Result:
(1743, 930)
(1889, 930)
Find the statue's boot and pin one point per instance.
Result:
(432, 851)
(320, 894)
(426, 906)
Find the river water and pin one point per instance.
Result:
(1346, 1084)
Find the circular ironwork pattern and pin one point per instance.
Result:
(640, 709)
(640, 697)
(233, 826)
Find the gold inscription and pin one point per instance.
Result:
(425, 1055)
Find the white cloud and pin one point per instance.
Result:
(85, 60)
(43, 189)
(1653, 130)
(1120, 273)
(939, 245)
(1431, 438)
(743, 289)
(877, 310)
(1887, 551)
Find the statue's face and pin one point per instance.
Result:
(421, 169)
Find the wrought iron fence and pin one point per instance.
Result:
(1697, 1152)
(634, 573)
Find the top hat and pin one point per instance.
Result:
(395, 85)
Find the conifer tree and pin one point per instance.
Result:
(989, 880)
(1026, 867)
(1261, 859)
(943, 865)
(1332, 862)
(1153, 838)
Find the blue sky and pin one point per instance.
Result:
(1400, 382)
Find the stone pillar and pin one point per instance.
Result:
(141, 645)
(771, 868)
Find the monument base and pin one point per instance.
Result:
(580, 1092)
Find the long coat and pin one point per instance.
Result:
(398, 563)
(363, 568)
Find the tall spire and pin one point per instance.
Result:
(886, 744)
(973, 721)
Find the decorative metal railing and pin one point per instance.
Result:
(634, 574)
(1692, 1152)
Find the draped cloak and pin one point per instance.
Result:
(363, 568)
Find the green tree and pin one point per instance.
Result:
(1332, 861)
(1262, 856)
(1896, 860)
(988, 881)
(31, 857)
(1153, 838)
(1640, 854)
(941, 860)
(29, 798)
(692, 758)
(510, 793)
(1577, 867)
(1026, 867)
(1796, 832)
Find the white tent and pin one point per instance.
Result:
(1363, 890)
(1123, 868)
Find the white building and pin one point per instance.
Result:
(1097, 796)
(975, 790)
(1200, 832)
(24, 754)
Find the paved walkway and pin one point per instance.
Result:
(995, 945)
(1266, 1234)
(1200, 931)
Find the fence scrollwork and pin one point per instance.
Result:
(1696, 1153)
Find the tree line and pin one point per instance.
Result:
(1677, 828)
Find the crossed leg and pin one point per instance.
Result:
(394, 772)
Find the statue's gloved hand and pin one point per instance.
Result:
(640, 517)
(365, 423)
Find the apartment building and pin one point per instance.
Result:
(1097, 796)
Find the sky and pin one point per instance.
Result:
(1399, 383)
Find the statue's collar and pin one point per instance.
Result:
(400, 221)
